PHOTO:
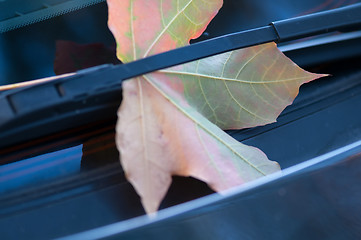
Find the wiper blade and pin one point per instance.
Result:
(52, 106)
(342, 19)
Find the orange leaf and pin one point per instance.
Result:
(167, 123)
(158, 139)
(240, 89)
(143, 28)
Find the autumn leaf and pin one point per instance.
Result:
(157, 138)
(239, 89)
(167, 122)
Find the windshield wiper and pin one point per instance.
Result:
(93, 94)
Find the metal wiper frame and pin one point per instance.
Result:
(72, 101)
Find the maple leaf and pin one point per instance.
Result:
(239, 89)
(167, 122)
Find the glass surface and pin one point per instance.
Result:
(42, 161)
(39, 169)
(32, 48)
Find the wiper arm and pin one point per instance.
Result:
(52, 106)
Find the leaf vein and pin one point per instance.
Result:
(165, 29)
(211, 159)
(231, 79)
(203, 127)
(249, 61)
(132, 29)
(240, 105)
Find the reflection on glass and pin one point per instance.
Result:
(56, 160)
(40, 169)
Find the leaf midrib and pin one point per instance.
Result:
(202, 126)
(230, 79)
(166, 28)
(187, 73)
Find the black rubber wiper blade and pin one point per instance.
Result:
(341, 19)
(90, 93)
